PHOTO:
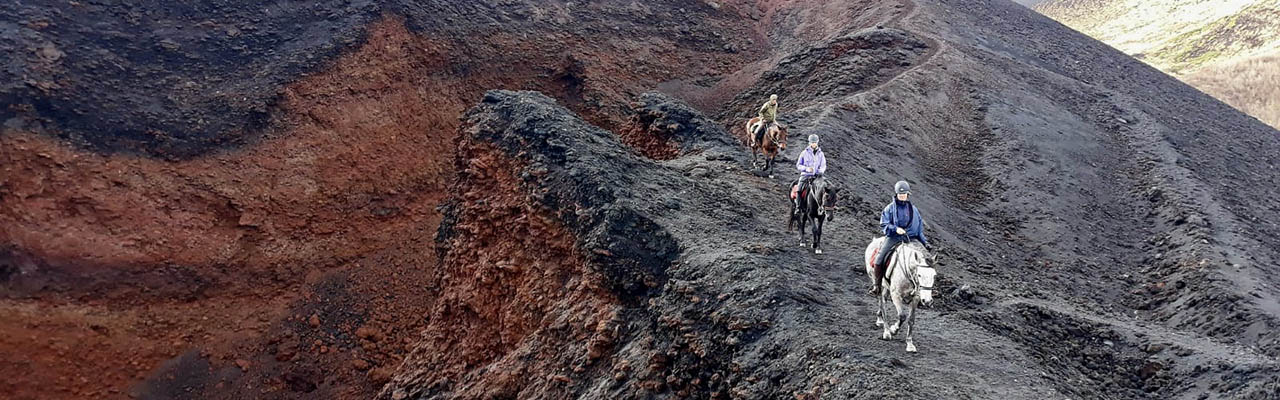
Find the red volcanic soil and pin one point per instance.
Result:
(301, 262)
(127, 261)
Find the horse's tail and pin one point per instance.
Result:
(791, 220)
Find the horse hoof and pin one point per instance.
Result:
(886, 336)
(817, 251)
(911, 347)
(879, 323)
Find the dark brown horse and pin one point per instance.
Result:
(773, 142)
(817, 205)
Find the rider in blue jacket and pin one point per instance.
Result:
(900, 222)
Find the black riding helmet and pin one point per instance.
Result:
(902, 187)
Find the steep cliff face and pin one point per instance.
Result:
(260, 242)
(371, 220)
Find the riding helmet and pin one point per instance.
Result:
(902, 187)
(813, 139)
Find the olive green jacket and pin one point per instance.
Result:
(769, 112)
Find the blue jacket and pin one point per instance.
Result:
(811, 158)
(895, 216)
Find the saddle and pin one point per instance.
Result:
(888, 255)
(795, 192)
(758, 130)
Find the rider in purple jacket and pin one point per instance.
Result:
(811, 164)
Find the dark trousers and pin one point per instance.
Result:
(802, 189)
(764, 127)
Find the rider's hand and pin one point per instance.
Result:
(810, 169)
(902, 231)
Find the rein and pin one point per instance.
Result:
(773, 137)
(913, 277)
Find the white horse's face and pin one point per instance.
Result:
(926, 276)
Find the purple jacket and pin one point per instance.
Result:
(811, 158)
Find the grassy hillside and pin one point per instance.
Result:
(1194, 40)
(1250, 84)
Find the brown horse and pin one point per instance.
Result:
(774, 141)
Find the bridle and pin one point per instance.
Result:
(913, 275)
(774, 137)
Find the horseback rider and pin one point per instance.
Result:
(768, 117)
(900, 222)
(811, 164)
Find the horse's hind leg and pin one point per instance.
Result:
(803, 219)
(911, 324)
(880, 315)
(879, 311)
(885, 335)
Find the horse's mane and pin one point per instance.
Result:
(910, 250)
(817, 193)
(915, 246)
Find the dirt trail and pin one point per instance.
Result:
(1204, 350)
(935, 46)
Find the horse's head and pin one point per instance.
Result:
(828, 201)
(925, 275)
(779, 135)
(829, 194)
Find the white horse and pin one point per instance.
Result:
(908, 279)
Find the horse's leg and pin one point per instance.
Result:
(804, 217)
(870, 276)
(880, 311)
(885, 334)
(817, 235)
(871, 271)
(899, 307)
(911, 323)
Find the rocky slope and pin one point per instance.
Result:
(388, 227)
(1224, 48)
